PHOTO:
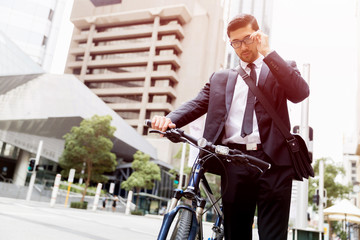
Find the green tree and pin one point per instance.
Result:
(89, 147)
(143, 176)
(334, 189)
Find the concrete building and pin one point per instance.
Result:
(40, 106)
(357, 134)
(145, 58)
(33, 25)
(49, 107)
(358, 80)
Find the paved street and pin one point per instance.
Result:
(37, 221)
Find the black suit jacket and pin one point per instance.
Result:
(279, 81)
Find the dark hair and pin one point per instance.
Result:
(242, 20)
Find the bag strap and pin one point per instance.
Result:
(262, 99)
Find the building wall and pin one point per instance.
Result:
(358, 78)
(33, 25)
(146, 58)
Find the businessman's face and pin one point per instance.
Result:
(247, 51)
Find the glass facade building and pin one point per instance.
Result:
(33, 25)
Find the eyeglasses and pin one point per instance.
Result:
(247, 40)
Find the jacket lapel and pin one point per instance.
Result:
(230, 86)
(263, 75)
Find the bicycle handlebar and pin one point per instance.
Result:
(177, 135)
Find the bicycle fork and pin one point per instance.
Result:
(196, 226)
(190, 195)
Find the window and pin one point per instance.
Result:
(51, 15)
(119, 70)
(129, 114)
(125, 27)
(151, 114)
(10, 151)
(119, 84)
(122, 99)
(121, 55)
(76, 71)
(44, 41)
(79, 58)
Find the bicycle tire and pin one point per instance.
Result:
(220, 236)
(183, 226)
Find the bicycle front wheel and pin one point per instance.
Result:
(183, 225)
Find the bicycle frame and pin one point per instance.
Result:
(197, 178)
(192, 193)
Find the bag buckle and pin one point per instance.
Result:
(293, 144)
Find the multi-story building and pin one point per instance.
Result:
(38, 106)
(33, 25)
(357, 134)
(145, 58)
(358, 80)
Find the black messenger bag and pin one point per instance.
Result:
(296, 145)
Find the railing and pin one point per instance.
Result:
(4, 179)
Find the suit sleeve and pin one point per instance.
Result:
(192, 109)
(288, 77)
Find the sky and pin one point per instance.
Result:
(321, 33)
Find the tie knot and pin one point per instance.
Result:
(251, 66)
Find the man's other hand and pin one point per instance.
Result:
(162, 123)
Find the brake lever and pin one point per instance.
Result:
(157, 131)
(171, 134)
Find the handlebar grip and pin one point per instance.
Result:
(258, 162)
(148, 123)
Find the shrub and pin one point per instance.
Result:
(137, 212)
(81, 205)
(80, 188)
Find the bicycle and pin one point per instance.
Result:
(187, 218)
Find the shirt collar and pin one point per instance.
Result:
(258, 62)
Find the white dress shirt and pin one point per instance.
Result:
(235, 118)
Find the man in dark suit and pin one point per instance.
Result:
(231, 121)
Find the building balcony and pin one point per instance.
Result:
(133, 91)
(132, 33)
(170, 74)
(167, 107)
(163, 91)
(132, 122)
(179, 12)
(172, 29)
(124, 106)
(127, 62)
(170, 44)
(117, 91)
(129, 47)
(165, 75)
